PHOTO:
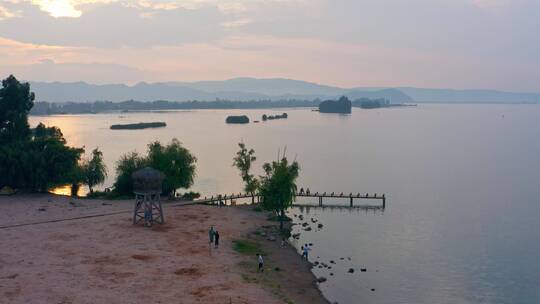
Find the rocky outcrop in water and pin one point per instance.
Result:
(342, 105)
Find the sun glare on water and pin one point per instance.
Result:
(59, 8)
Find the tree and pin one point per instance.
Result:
(278, 186)
(125, 167)
(16, 100)
(242, 161)
(34, 160)
(176, 162)
(94, 170)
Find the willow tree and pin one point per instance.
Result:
(94, 170)
(278, 186)
(243, 160)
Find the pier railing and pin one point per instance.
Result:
(223, 198)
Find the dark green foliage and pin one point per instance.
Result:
(247, 247)
(191, 195)
(237, 119)
(16, 100)
(175, 161)
(137, 126)
(42, 162)
(243, 160)
(94, 170)
(125, 167)
(278, 186)
(343, 105)
(37, 160)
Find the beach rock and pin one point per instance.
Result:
(316, 263)
(342, 258)
(331, 273)
(372, 289)
(319, 225)
(321, 279)
(307, 229)
(363, 269)
(313, 220)
(305, 224)
(351, 270)
(332, 262)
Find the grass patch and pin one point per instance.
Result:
(247, 247)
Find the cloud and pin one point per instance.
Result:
(6, 14)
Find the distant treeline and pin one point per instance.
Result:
(47, 108)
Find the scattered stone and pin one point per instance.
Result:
(313, 220)
(363, 269)
(372, 289)
(351, 270)
(296, 236)
(320, 225)
(307, 229)
(321, 279)
(316, 263)
(310, 244)
(332, 262)
(342, 258)
(305, 224)
(331, 273)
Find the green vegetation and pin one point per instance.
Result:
(278, 186)
(138, 126)
(175, 161)
(247, 247)
(237, 119)
(343, 106)
(33, 160)
(94, 170)
(243, 160)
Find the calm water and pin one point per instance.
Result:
(463, 181)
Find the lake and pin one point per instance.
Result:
(463, 186)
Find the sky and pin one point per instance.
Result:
(462, 44)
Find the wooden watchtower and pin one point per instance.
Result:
(147, 184)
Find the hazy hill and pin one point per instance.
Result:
(240, 89)
(253, 89)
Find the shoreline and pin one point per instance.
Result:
(107, 259)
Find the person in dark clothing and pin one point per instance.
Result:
(216, 239)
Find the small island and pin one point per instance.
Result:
(342, 106)
(138, 126)
(243, 119)
(272, 117)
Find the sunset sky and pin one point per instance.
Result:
(489, 44)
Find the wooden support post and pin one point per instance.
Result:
(383, 201)
(320, 201)
(351, 201)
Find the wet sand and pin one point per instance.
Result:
(106, 259)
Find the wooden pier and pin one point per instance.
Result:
(222, 199)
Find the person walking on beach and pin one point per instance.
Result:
(216, 238)
(261, 263)
(305, 252)
(211, 234)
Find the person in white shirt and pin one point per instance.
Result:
(261, 263)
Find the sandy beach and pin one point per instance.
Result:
(106, 259)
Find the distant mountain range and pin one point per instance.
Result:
(252, 89)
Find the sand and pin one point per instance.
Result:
(106, 259)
